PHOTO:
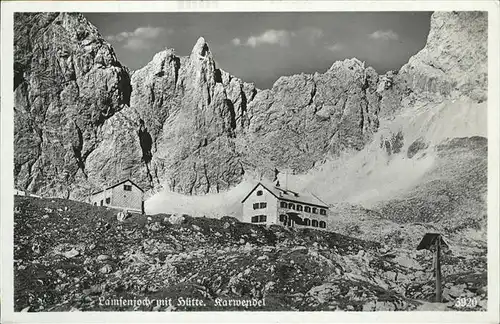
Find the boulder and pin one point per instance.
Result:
(176, 219)
(454, 292)
(391, 275)
(103, 257)
(106, 269)
(324, 292)
(123, 215)
(71, 253)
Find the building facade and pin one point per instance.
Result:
(18, 192)
(124, 195)
(274, 205)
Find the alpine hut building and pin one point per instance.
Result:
(275, 205)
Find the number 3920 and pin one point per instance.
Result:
(465, 302)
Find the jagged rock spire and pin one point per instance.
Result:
(201, 50)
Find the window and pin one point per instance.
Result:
(307, 222)
(127, 187)
(307, 209)
(259, 219)
(322, 224)
(283, 204)
(108, 200)
(315, 210)
(322, 211)
(95, 204)
(101, 203)
(259, 205)
(291, 206)
(282, 218)
(299, 207)
(259, 192)
(315, 223)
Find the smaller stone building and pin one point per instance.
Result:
(123, 195)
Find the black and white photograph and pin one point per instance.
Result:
(250, 161)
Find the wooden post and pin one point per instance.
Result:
(429, 241)
(437, 268)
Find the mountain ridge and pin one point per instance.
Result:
(193, 128)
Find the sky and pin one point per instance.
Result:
(260, 47)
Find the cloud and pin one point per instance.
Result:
(270, 37)
(280, 37)
(335, 47)
(384, 35)
(142, 37)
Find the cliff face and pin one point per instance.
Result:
(305, 117)
(193, 128)
(452, 65)
(68, 82)
(443, 119)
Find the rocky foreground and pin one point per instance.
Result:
(70, 256)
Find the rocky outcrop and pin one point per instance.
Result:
(119, 155)
(435, 108)
(187, 125)
(67, 82)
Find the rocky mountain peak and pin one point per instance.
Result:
(352, 64)
(201, 50)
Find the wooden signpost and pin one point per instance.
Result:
(434, 242)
